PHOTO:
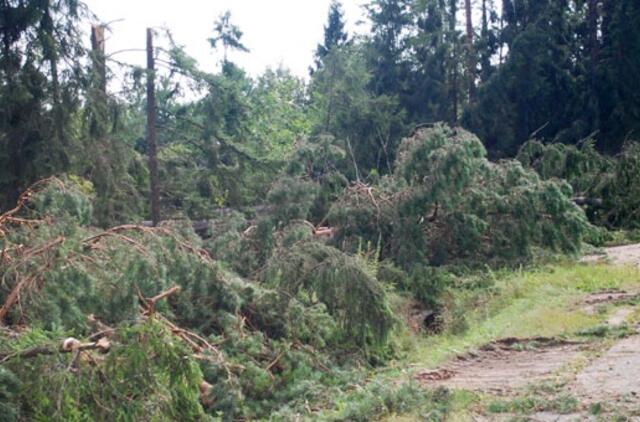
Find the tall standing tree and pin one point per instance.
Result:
(487, 44)
(471, 51)
(453, 40)
(391, 21)
(427, 97)
(335, 34)
(227, 34)
(536, 90)
(41, 68)
(618, 84)
(154, 182)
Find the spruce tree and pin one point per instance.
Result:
(227, 34)
(42, 70)
(334, 34)
(390, 21)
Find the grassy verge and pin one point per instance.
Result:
(542, 302)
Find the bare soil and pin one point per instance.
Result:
(503, 367)
(508, 366)
(615, 376)
(618, 255)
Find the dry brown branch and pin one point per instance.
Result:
(23, 200)
(201, 253)
(149, 304)
(23, 283)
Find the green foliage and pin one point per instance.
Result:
(622, 196)
(292, 199)
(459, 207)
(581, 165)
(607, 184)
(275, 339)
(41, 69)
(227, 34)
(485, 209)
(334, 34)
(285, 312)
(9, 389)
(314, 272)
(381, 398)
(146, 375)
(342, 105)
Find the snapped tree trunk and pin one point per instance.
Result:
(99, 118)
(151, 132)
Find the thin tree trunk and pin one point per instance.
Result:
(97, 46)
(453, 12)
(58, 112)
(151, 131)
(99, 82)
(471, 60)
(592, 22)
(485, 57)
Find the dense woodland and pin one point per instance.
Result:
(456, 137)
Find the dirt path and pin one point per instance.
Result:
(618, 255)
(504, 366)
(507, 367)
(613, 376)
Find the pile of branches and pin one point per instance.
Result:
(606, 186)
(84, 312)
(446, 203)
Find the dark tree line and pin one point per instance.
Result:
(507, 70)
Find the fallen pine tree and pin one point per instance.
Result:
(139, 322)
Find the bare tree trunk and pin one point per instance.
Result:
(151, 131)
(97, 46)
(98, 83)
(592, 22)
(58, 112)
(471, 60)
(453, 12)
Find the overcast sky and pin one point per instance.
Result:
(276, 31)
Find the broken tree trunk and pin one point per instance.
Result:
(151, 131)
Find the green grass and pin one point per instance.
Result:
(541, 302)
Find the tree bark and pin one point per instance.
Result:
(594, 45)
(97, 47)
(99, 119)
(453, 12)
(51, 54)
(471, 60)
(151, 132)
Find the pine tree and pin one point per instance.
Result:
(488, 42)
(426, 99)
(227, 34)
(334, 34)
(390, 21)
(41, 68)
(618, 67)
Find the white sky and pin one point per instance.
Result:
(276, 31)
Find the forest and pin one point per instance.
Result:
(203, 244)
